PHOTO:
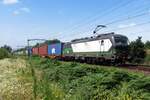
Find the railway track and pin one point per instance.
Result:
(131, 67)
(137, 68)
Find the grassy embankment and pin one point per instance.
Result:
(15, 80)
(56, 80)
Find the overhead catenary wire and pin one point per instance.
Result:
(114, 8)
(107, 12)
(136, 25)
(126, 18)
(117, 29)
(121, 20)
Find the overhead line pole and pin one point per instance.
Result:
(28, 43)
(32, 69)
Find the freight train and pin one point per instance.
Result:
(108, 47)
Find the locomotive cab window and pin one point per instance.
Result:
(121, 40)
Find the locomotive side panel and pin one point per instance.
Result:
(67, 50)
(92, 46)
(96, 48)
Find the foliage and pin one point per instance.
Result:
(137, 51)
(147, 45)
(21, 49)
(4, 53)
(48, 42)
(74, 81)
(8, 48)
(52, 41)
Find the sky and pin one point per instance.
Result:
(70, 19)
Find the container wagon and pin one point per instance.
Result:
(55, 50)
(43, 50)
(35, 51)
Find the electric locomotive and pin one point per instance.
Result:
(109, 47)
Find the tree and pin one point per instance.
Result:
(137, 51)
(147, 45)
(48, 42)
(8, 48)
(52, 41)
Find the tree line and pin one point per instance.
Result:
(5, 51)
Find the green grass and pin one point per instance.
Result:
(73, 81)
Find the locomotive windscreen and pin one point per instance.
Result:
(121, 40)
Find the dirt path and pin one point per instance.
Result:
(13, 85)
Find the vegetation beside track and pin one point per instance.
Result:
(54, 80)
(73, 81)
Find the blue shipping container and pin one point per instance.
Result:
(55, 49)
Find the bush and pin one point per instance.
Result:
(8, 48)
(4, 53)
(121, 76)
(137, 51)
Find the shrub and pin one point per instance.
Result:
(4, 53)
(8, 48)
(137, 51)
(141, 84)
(121, 76)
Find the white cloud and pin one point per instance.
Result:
(21, 11)
(126, 25)
(10, 2)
